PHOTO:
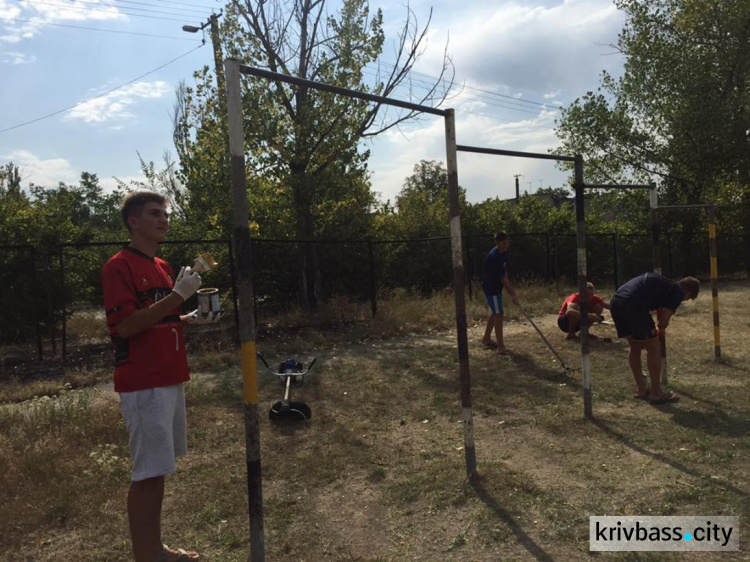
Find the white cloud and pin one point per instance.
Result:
(484, 176)
(524, 46)
(44, 172)
(24, 20)
(517, 62)
(14, 57)
(115, 106)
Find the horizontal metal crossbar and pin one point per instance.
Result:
(673, 207)
(617, 186)
(259, 72)
(499, 152)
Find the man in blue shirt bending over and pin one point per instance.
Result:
(494, 278)
(630, 308)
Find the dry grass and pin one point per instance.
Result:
(378, 474)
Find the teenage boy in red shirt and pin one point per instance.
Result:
(142, 300)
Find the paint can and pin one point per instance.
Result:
(208, 302)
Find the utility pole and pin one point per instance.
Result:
(518, 191)
(221, 94)
(213, 23)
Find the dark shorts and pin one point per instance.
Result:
(562, 323)
(631, 322)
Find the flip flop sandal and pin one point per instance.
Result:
(665, 398)
(643, 396)
(175, 555)
(490, 345)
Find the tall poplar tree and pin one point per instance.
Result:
(300, 140)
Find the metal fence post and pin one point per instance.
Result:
(373, 284)
(64, 308)
(615, 259)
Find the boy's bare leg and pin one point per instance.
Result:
(636, 366)
(144, 514)
(653, 361)
(487, 339)
(499, 333)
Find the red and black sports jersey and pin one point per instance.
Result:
(575, 298)
(156, 357)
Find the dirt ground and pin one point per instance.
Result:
(379, 472)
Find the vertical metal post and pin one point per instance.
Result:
(243, 251)
(64, 308)
(234, 289)
(584, 298)
(549, 261)
(34, 293)
(373, 284)
(656, 257)
(714, 277)
(555, 251)
(458, 292)
(469, 277)
(615, 260)
(669, 254)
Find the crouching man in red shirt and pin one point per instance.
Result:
(569, 317)
(142, 299)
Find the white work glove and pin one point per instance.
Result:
(196, 318)
(187, 283)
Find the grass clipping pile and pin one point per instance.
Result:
(378, 474)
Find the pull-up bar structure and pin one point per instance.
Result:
(581, 261)
(656, 209)
(233, 70)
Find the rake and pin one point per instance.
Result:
(565, 367)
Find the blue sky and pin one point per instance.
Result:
(516, 62)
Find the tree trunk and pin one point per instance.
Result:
(307, 264)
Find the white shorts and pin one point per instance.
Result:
(157, 425)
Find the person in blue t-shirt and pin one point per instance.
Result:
(494, 278)
(631, 308)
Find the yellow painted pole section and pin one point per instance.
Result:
(249, 373)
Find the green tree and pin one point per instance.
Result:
(16, 226)
(422, 204)
(298, 137)
(680, 113)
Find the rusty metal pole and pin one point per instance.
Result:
(583, 298)
(458, 292)
(656, 253)
(242, 250)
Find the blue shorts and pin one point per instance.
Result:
(495, 302)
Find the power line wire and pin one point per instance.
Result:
(186, 4)
(99, 10)
(100, 95)
(502, 104)
(176, 38)
(489, 92)
(203, 12)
